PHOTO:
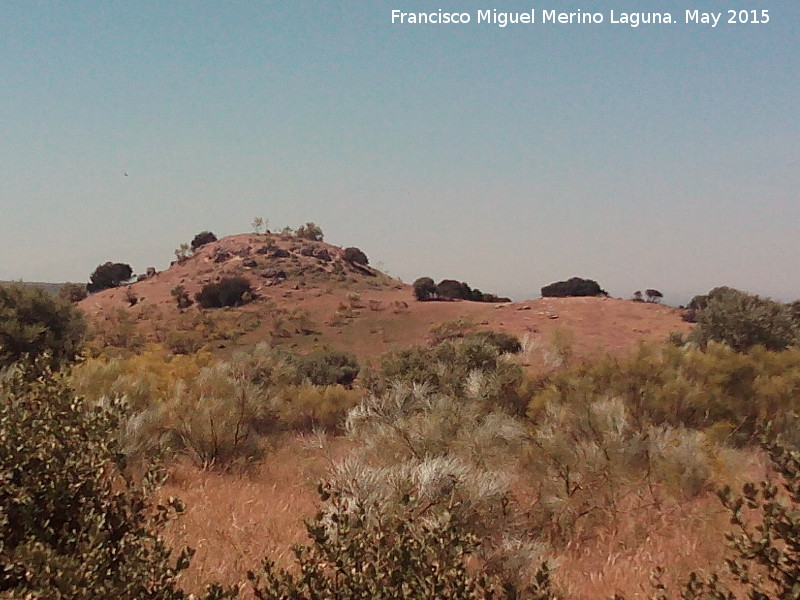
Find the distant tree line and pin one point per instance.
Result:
(426, 289)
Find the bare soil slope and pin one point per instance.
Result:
(307, 295)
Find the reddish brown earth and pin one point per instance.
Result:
(355, 308)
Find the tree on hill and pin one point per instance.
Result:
(34, 322)
(355, 255)
(309, 231)
(424, 289)
(653, 295)
(575, 286)
(109, 275)
(203, 238)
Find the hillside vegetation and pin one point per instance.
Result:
(543, 449)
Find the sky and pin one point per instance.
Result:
(661, 156)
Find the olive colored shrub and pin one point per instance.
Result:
(328, 367)
(356, 554)
(717, 390)
(764, 543)
(75, 524)
(181, 297)
(309, 231)
(34, 322)
(355, 255)
(575, 286)
(424, 289)
(504, 342)
(201, 239)
(109, 275)
(72, 292)
(743, 320)
(230, 291)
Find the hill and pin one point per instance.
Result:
(306, 294)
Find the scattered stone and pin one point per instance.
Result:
(222, 256)
(306, 251)
(249, 263)
(524, 307)
(280, 253)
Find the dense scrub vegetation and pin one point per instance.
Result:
(450, 289)
(33, 322)
(201, 239)
(462, 471)
(575, 286)
(229, 291)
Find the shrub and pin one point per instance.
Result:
(75, 524)
(181, 297)
(109, 275)
(743, 320)
(424, 289)
(34, 322)
(72, 292)
(357, 554)
(504, 342)
(309, 231)
(201, 239)
(452, 289)
(354, 255)
(328, 367)
(575, 286)
(230, 291)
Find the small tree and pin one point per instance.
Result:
(637, 296)
(309, 231)
(575, 286)
(653, 295)
(424, 289)
(257, 224)
(181, 297)
(203, 238)
(355, 255)
(72, 292)
(183, 252)
(109, 275)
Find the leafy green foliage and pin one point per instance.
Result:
(575, 286)
(230, 291)
(74, 524)
(743, 320)
(201, 239)
(181, 297)
(109, 275)
(34, 322)
(355, 554)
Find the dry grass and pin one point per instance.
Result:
(233, 521)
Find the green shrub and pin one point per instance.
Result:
(504, 342)
(74, 523)
(181, 297)
(743, 320)
(109, 275)
(201, 239)
(230, 291)
(34, 322)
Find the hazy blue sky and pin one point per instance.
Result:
(662, 156)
